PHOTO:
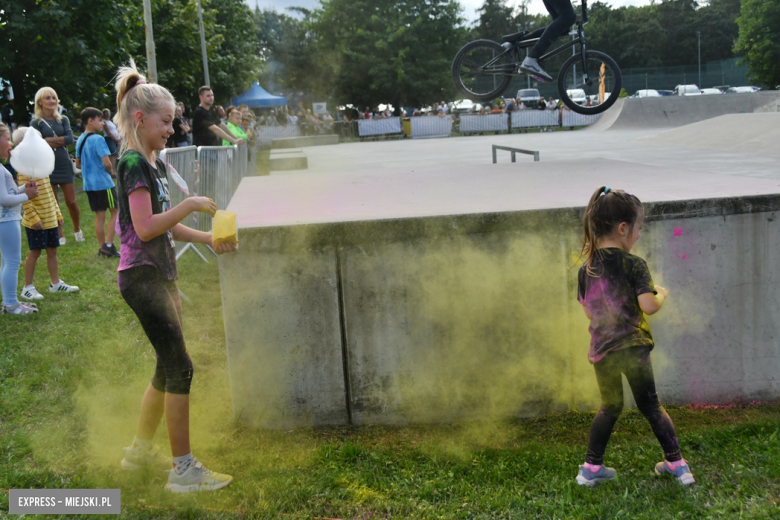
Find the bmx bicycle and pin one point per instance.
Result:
(483, 69)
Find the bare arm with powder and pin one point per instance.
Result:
(148, 225)
(651, 303)
(223, 132)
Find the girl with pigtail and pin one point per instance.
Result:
(616, 291)
(148, 227)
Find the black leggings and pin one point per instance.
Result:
(563, 16)
(635, 364)
(156, 302)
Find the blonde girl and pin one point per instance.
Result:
(148, 226)
(616, 291)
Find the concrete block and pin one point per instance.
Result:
(288, 161)
(303, 141)
(441, 295)
(283, 335)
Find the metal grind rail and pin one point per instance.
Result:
(514, 152)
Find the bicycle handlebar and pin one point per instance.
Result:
(584, 11)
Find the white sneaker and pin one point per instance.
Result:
(63, 240)
(138, 459)
(62, 287)
(79, 235)
(196, 478)
(531, 67)
(29, 293)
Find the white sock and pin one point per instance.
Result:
(180, 464)
(142, 444)
(31, 286)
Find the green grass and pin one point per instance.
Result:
(71, 380)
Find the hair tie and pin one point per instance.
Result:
(606, 190)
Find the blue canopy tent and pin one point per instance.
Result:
(256, 96)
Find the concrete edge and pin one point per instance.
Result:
(527, 221)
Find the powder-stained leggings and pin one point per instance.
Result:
(156, 302)
(635, 364)
(563, 16)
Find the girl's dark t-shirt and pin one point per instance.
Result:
(134, 172)
(612, 298)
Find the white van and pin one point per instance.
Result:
(647, 93)
(529, 96)
(687, 90)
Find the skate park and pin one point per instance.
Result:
(409, 281)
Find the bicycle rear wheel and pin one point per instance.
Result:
(480, 72)
(601, 89)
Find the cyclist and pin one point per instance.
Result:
(563, 17)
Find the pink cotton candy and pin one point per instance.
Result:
(678, 232)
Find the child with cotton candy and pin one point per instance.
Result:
(33, 159)
(11, 199)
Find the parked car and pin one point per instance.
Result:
(710, 91)
(464, 106)
(529, 96)
(594, 98)
(665, 93)
(722, 88)
(646, 93)
(577, 95)
(742, 90)
(687, 90)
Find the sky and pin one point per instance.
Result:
(469, 6)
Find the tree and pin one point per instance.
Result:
(289, 50)
(396, 51)
(76, 47)
(73, 47)
(496, 19)
(759, 23)
(232, 47)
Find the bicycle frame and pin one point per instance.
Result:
(522, 44)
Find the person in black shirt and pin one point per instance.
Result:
(207, 129)
(616, 291)
(179, 135)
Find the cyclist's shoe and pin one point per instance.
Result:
(682, 474)
(196, 478)
(531, 67)
(586, 477)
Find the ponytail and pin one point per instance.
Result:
(606, 209)
(134, 93)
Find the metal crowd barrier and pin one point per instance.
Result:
(185, 161)
(428, 126)
(570, 118)
(347, 131)
(377, 127)
(471, 123)
(267, 134)
(535, 118)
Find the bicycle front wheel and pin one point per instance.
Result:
(480, 71)
(596, 92)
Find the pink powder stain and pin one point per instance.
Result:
(684, 257)
(677, 232)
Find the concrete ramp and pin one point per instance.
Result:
(750, 133)
(676, 111)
